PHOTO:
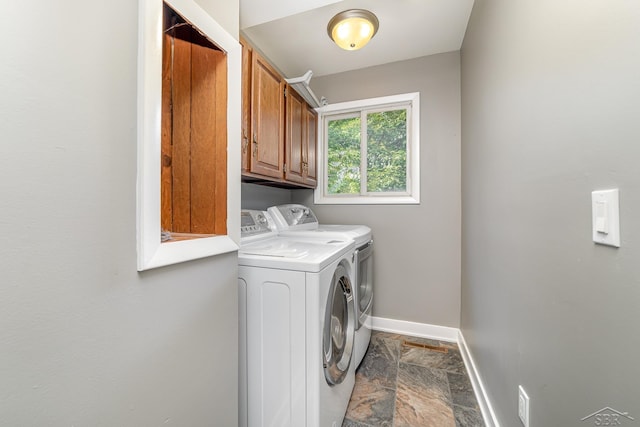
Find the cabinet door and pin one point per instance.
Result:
(267, 113)
(247, 52)
(311, 147)
(296, 135)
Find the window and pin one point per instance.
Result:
(369, 152)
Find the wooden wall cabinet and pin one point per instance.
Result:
(311, 162)
(278, 127)
(300, 140)
(247, 55)
(267, 119)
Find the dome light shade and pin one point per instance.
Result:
(353, 28)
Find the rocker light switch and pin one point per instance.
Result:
(606, 217)
(602, 223)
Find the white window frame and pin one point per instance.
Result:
(412, 195)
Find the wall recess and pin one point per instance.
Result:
(213, 224)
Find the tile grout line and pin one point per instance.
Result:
(395, 391)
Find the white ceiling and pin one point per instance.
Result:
(293, 33)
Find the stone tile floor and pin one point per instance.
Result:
(399, 385)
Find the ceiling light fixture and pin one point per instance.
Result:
(353, 28)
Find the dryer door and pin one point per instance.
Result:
(339, 327)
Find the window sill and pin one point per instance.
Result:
(366, 200)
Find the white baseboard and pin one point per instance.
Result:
(488, 414)
(424, 330)
(444, 333)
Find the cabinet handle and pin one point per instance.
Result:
(255, 145)
(245, 141)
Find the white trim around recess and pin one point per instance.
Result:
(444, 333)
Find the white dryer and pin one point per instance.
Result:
(299, 220)
(297, 327)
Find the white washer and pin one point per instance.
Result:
(299, 220)
(297, 326)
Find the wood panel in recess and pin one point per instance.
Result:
(194, 139)
(166, 180)
(181, 137)
(220, 200)
(208, 132)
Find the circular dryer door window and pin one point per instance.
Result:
(339, 328)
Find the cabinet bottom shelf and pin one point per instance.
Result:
(249, 178)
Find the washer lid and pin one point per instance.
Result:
(361, 234)
(294, 253)
(296, 218)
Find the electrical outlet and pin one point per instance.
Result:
(523, 406)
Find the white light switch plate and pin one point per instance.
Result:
(605, 214)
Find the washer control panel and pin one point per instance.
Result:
(254, 222)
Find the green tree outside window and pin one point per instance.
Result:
(386, 153)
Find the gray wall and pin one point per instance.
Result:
(256, 196)
(551, 100)
(417, 252)
(85, 340)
